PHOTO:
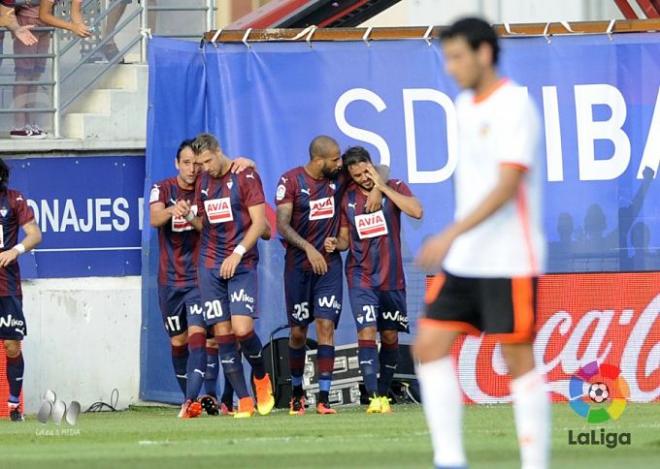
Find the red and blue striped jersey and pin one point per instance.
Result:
(315, 214)
(177, 239)
(374, 256)
(14, 213)
(223, 204)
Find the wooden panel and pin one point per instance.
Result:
(384, 34)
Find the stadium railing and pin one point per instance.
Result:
(70, 75)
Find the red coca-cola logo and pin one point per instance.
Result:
(582, 318)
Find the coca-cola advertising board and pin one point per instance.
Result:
(610, 318)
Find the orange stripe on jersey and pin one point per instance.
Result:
(520, 167)
(487, 93)
(523, 214)
(433, 288)
(522, 298)
(458, 326)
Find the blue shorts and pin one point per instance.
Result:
(310, 296)
(384, 309)
(12, 321)
(222, 299)
(180, 307)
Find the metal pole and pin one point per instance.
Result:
(56, 88)
(144, 24)
(210, 15)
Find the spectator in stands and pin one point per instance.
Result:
(8, 20)
(31, 69)
(117, 8)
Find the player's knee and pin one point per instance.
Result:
(367, 333)
(426, 350)
(298, 337)
(389, 337)
(222, 328)
(210, 343)
(519, 358)
(179, 340)
(12, 348)
(325, 330)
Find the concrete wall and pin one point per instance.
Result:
(83, 339)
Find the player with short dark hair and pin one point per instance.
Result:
(14, 214)
(231, 216)
(374, 270)
(492, 253)
(307, 202)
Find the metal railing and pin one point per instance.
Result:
(70, 77)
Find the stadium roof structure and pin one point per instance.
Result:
(352, 13)
(320, 13)
(650, 8)
(312, 34)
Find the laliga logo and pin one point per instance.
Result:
(601, 383)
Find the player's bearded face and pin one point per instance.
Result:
(331, 166)
(360, 175)
(462, 63)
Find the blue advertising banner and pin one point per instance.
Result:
(598, 97)
(89, 210)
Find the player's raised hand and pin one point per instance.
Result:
(241, 163)
(375, 177)
(7, 257)
(181, 208)
(228, 267)
(434, 250)
(374, 201)
(330, 244)
(319, 266)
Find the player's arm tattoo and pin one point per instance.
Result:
(268, 231)
(284, 213)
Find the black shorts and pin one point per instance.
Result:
(12, 321)
(502, 308)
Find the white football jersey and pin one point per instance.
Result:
(501, 128)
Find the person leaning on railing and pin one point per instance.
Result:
(76, 25)
(8, 20)
(117, 8)
(30, 69)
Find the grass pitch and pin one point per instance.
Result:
(146, 437)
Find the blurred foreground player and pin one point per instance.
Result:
(374, 270)
(494, 250)
(14, 214)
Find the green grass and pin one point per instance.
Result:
(152, 437)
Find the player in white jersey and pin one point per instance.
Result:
(492, 253)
